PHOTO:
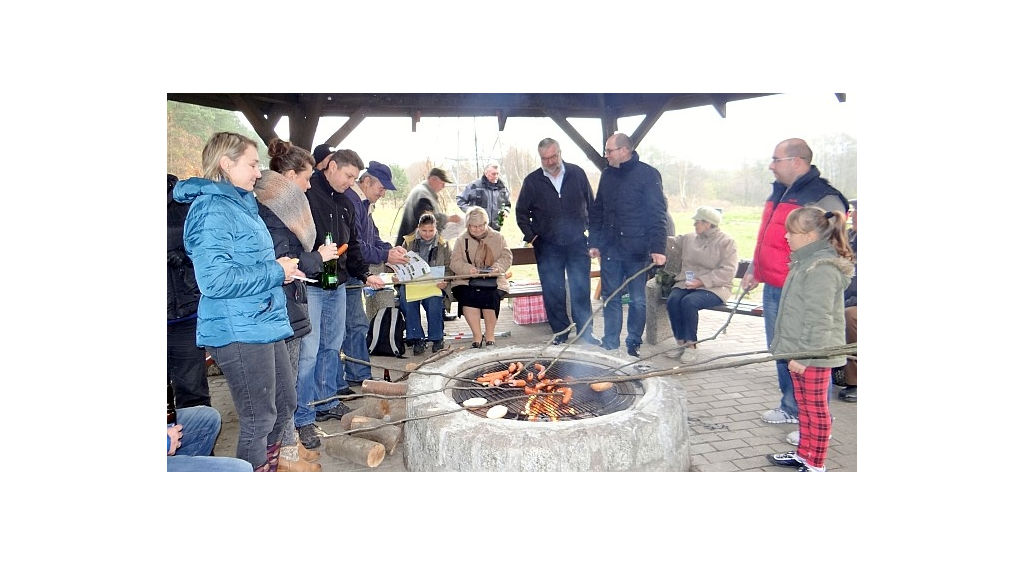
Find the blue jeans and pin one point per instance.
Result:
(318, 352)
(357, 325)
(772, 295)
(683, 311)
(434, 306)
(200, 426)
(262, 387)
(613, 273)
(554, 264)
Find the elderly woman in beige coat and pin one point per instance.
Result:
(480, 250)
(709, 259)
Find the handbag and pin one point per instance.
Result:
(297, 315)
(489, 283)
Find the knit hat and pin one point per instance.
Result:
(708, 214)
(321, 152)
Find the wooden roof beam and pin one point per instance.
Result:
(560, 120)
(346, 129)
(263, 126)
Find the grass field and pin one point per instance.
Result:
(739, 222)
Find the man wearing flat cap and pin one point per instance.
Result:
(423, 198)
(371, 186)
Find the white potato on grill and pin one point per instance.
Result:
(497, 412)
(474, 402)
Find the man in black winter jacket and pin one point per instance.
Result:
(552, 211)
(186, 363)
(628, 230)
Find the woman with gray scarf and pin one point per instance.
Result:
(280, 194)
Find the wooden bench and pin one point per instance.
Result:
(526, 255)
(659, 327)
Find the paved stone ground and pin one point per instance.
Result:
(726, 433)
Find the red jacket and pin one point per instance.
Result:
(771, 255)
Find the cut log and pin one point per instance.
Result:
(370, 408)
(355, 450)
(385, 388)
(387, 435)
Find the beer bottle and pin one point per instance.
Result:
(172, 414)
(329, 276)
(387, 375)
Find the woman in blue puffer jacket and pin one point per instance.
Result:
(243, 320)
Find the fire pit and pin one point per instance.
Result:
(634, 426)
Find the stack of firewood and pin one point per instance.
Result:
(380, 437)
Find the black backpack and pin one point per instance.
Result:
(386, 336)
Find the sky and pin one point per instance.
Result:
(750, 131)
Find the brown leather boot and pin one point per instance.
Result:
(300, 465)
(306, 454)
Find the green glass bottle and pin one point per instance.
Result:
(329, 276)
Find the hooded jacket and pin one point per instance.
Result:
(240, 280)
(490, 197)
(772, 251)
(629, 218)
(811, 308)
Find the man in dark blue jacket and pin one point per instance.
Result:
(552, 211)
(488, 192)
(628, 229)
(371, 187)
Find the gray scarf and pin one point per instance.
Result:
(289, 204)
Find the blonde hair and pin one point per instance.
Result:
(476, 215)
(829, 226)
(223, 144)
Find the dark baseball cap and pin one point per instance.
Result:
(440, 173)
(321, 152)
(381, 172)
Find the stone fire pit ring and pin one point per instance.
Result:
(651, 435)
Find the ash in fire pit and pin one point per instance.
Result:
(635, 425)
(529, 399)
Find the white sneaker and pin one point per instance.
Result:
(777, 416)
(794, 438)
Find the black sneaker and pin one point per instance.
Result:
(437, 346)
(849, 394)
(335, 412)
(345, 392)
(633, 350)
(308, 436)
(788, 459)
(418, 348)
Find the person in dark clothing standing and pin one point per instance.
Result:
(628, 230)
(186, 363)
(552, 211)
(489, 193)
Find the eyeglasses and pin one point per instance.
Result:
(610, 151)
(776, 159)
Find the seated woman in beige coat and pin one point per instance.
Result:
(480, 250)
(709, 260)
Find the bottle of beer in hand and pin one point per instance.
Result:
(329, 276)
(387, 375)
(172, 414)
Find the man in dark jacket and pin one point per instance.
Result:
(797, 184)
(488, 192)
(318, 352)
(553, 211)
(186, 363)
(628, 230)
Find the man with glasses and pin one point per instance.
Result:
(552, 211)
(797, 184)
(628, 230)
(372, 185)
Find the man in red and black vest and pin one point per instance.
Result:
(797, 184)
